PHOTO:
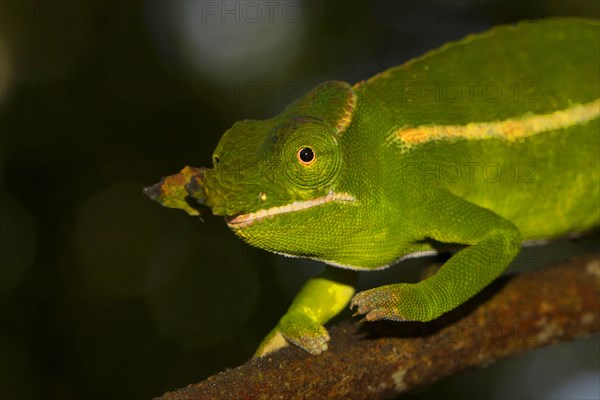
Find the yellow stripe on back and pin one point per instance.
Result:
(509, 129)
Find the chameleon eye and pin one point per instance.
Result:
(306, 155)
(311, 157)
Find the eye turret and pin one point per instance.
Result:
(310, 156)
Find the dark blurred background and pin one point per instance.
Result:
(105, 294)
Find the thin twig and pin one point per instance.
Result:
(380, 360)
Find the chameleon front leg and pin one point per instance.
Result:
(493, 242)
(321, 298)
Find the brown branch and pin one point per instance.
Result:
(380, 360)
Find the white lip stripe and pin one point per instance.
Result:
(244, 220)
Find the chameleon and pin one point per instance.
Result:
(483, 145)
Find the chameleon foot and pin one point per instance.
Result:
(299, 330)
(399, 302)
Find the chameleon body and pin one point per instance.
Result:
(485, 143)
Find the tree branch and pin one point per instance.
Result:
(382, 359)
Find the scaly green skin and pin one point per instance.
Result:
(401, 164)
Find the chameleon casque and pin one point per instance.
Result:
(484, 143)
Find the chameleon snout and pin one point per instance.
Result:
(184, 190)
(205, 189)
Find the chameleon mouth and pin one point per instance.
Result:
(245, 220)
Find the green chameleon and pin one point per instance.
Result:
(482, 144)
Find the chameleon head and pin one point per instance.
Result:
(277, 180)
